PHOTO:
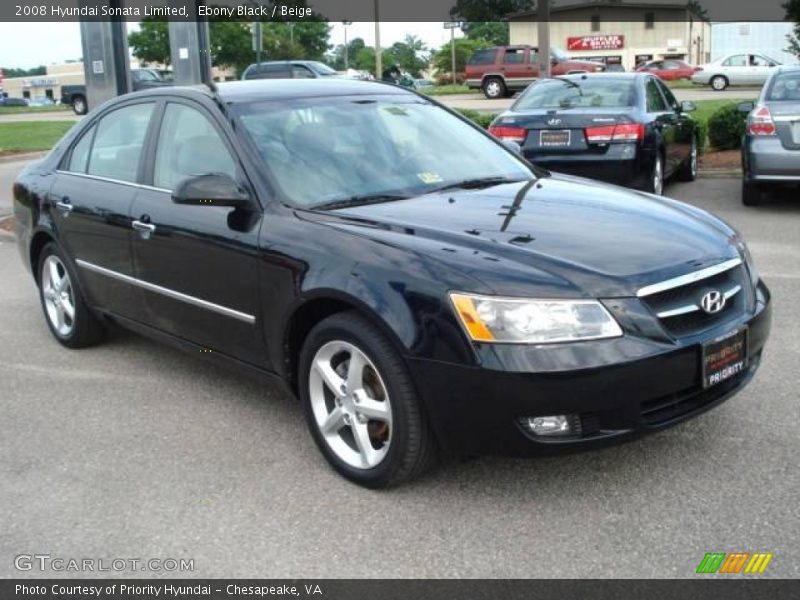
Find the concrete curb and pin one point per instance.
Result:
(22, 156)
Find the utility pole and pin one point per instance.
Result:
(378, 57)
(543, 23)
(346, 62)
(452, 25)
(258, 41)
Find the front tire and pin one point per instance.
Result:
(65, 310)
(360, 404)
(79, 106)
(688, 170)
(494, 88)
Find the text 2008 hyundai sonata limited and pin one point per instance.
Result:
(421, 288)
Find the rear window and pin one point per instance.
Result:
(483, 57)
(785, 86)
(568, 93)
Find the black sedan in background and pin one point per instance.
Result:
(417, 285)
(624, 128)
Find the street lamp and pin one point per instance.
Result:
(378, 57)
(344, 25)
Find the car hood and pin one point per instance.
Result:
(567, 236)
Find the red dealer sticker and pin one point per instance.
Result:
(596, 42)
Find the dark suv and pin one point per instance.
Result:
(502, 70)
(289, 69)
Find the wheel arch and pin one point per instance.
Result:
(39, 240)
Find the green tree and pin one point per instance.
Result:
(464, 48)
(792, 8)
(9, 72)
(336, 57)
(150, 43)
(494, 32)
(411, 55)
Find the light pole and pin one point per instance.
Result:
(452, 25)
(346, 62)
(378, 57)
(543, 18)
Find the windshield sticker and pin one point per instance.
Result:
(430, 177)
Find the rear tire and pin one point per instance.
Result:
(494, 88)
(718, 83)
(752, 194)
(655, 184)
(688, 170)
(65, 309)
(380, 435)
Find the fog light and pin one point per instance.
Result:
(548, 426)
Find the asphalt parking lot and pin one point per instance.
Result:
(135, 450)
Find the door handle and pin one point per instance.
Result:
(64, 204)
(141, 226)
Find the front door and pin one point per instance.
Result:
(92, 197)
(197, 264)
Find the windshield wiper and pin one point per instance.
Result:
(475, 184)
(358, 201)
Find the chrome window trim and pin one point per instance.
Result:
(152, 287)
(682, 280)
(110, 180)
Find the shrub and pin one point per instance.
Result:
(482, 119)
(726, 128)
(447, 78)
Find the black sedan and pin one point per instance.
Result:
(624, 128)
(420, 288)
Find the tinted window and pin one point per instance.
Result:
(117, 147)
(740, 60)
(483, 57)
(567, 93)
(785, 86)
(514, 56)
(325, 149)
(268, 71)
(188, 145)
(655, 101)
(80, 152)
(301, 72)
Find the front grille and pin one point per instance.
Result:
(678, 308)
(661, 411)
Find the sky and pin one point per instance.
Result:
(26, 45)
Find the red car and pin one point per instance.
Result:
(502, 70)
(669, 70)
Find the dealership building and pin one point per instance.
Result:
(625, 35)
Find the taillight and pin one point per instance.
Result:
(622, 132)
(760, 122)
(511, 134)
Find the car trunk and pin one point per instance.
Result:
(787, 122)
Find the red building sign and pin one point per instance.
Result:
(596, 42)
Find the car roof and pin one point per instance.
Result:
(268, 89)
(627, 76)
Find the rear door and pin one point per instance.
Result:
(197, 264)
(516, 67)
(92, 197)
(736, 70)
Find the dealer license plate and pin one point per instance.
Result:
(554, 138)
(724, 357)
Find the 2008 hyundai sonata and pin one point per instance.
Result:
(422, 289)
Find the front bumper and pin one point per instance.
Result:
(617, 389)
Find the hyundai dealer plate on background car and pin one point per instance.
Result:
(724, 357)
(554, 138)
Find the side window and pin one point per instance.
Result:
(483, 57)
(655, 101)
(117, 147)
(740, 60)
(80, 152)
(188, 145)
(514, 56)
(668, 95)
(301, 72)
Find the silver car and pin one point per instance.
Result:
(735, 69)
(771, 147)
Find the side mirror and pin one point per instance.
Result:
(688, 106)
(746, 107)
(211, 189)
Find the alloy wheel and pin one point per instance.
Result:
(658, 177)
(350, 404)
(59, 297)
(493, 89)
(693, 159)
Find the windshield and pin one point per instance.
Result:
(321, 68)
(146, 75)
(324, 150)
(578, 92)
(785, 86)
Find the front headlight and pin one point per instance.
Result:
(522, 321)
(744, 251)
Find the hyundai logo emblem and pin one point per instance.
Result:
(713, 302)
(554, 121)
